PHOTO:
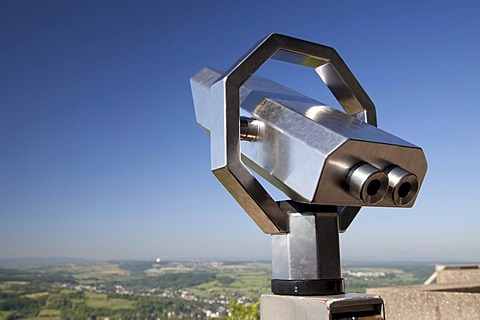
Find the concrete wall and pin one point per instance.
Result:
(432, 302)
(458, 274)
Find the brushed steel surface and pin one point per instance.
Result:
(367, 183)
(381, 156)
(222, 96)
(301, 146)
(307, 149)
(403, 185)
(310, 250)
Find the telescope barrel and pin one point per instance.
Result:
(315, 153)
(367, 183)
(403, 186)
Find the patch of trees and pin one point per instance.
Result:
(21, 303)
(172, 280)
(136, 266)
(35, 277)
(23, 307)
(144, 308)
(244, 311)
(225, 280)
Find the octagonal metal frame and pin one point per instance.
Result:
(225, 101)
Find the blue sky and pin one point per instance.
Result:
(101, 157)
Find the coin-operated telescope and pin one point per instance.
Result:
(328, 162)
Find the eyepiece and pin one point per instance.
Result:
(249, 129)
(367, 183)
(403, 185)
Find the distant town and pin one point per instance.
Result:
(161, 289)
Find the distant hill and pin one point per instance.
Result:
(29, 261)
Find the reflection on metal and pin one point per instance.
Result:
(329, 163)
(403, 185)
(307, 259)
(249, 129)
(367, 183)
(300, 145)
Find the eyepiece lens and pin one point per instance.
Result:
(373, 187)
(404, 189)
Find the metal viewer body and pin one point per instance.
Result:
(329, 163)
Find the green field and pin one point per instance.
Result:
(101, 300)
